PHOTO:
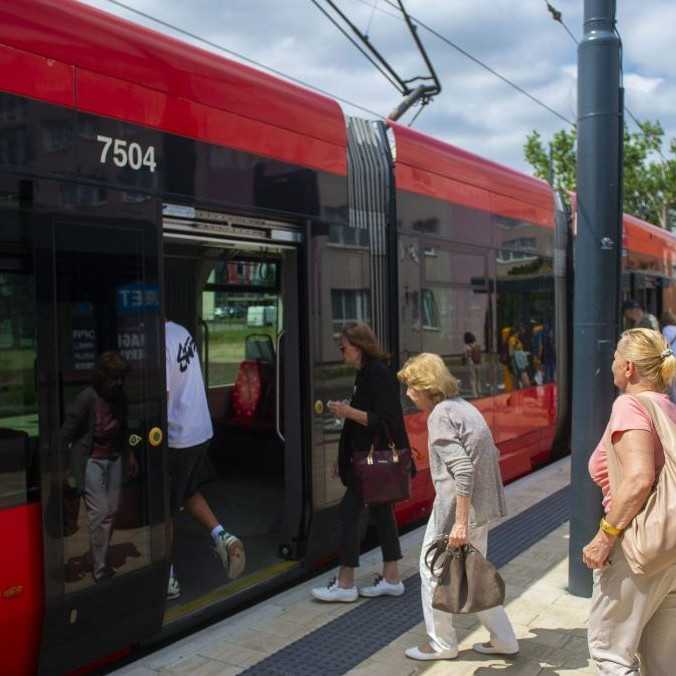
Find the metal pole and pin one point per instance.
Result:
(598, 248)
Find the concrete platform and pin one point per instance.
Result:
(550, 623)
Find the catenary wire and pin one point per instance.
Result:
(415, 117)
(291, 78)
(558, 17)
(486, 67)
(247, 59)
(373, 12)
(373, 62)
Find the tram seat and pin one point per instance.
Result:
(259, 346)
(252, 399)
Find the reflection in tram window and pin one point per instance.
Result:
(18, 397)
(108, 315)
(95, 436)
(455, 302)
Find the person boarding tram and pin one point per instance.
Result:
(190, 432)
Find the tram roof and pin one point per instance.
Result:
(103, 64)
(438, 169)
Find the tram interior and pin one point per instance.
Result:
(231, 302)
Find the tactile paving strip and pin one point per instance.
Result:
(343, 643)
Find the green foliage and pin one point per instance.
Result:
(649, 175)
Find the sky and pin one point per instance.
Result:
(475, 110)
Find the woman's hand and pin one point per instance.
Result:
(458, 536)
(595, 554)
(132, 466)
(340, 409)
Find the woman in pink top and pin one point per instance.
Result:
(632, 616)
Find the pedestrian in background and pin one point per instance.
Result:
(469, 495)
(373, 414)
(669, 333)
(635, 317)
(632, 616)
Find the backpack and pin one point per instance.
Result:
(649, 541)
(475, 353)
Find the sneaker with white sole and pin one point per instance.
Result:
(173, 588)
(381, 587)
(333, 593)
(231, 552)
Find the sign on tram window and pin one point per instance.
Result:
(247, 273)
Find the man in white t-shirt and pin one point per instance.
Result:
(189, 435)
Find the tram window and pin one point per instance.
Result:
(455, 313)
(18, 396)
(237, 326)
(525, 312)
(349, 305)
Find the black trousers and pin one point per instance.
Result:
(351, 508)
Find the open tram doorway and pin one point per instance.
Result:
(240, 302)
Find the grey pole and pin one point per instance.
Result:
(598, 247)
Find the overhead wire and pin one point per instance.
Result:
(415, 117)
(485, 66)
(373, 12)
(373, 62)
(558, 17)
(296, 80)
(246, 59)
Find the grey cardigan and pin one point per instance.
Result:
(463, 461)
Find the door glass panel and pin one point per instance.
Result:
(18, 364)
(235, 304)
(107, 315)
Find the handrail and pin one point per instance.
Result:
(205, 342)
(278, 379)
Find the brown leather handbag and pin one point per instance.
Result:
(466, 581)
(649, 542)
(383, 475)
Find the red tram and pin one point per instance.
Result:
(142, 178)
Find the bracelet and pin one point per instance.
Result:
(609, 529)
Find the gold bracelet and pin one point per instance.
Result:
(610, 529)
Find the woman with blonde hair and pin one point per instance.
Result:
(632, 616)
(464, 466)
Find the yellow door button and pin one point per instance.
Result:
(155, 436)
(319, 407)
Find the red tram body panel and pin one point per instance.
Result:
(74, 57)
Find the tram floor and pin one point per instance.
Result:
(248, 505)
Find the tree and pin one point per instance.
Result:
(649, 176)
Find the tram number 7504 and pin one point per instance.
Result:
(125, 154)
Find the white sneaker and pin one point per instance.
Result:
(489, 649)
(381, 587)
(417, 654)
(173, 588)
(231, 552)
(332, 593)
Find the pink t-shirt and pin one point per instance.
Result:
(627, 414)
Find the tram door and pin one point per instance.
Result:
(101, 396)
(240, 303)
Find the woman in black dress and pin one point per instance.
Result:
(373, 414)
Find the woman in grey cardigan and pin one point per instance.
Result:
(469, 495)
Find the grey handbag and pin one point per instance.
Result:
(466, 581)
